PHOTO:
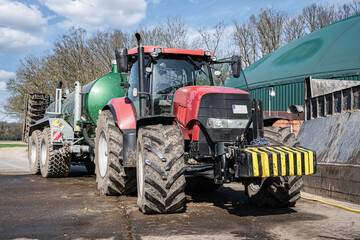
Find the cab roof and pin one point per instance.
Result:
(149, 49)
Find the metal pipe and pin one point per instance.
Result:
(255, 119)
(141, 64)
(269, 102)
(77, 106)
(260, 119)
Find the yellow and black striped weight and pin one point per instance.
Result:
(277, 161)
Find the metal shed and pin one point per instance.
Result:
(328, 53)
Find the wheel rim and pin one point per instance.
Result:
(43, 152)
(140, 174)
(102, 153)
(255, 186)
(33, 153)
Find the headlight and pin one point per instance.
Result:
(226, 123)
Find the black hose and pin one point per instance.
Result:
(87, 138)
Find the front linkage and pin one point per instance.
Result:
(252, 157)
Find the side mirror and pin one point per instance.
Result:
(122, 59)
(236, 66)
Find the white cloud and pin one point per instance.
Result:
(5, 75)
(98, 14)
(19, 16)
(155, 1)
(2, 86)
(15, 40)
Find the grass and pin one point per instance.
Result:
(9, 143)
(12, 145)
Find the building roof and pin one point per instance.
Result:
(330, 52)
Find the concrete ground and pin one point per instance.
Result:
(71, 208)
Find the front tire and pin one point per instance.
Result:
(160, 169)
(276, 191)
(34, 152)
(111, 177)
(53, 162)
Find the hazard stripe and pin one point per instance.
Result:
(298, 160)
(282, 159)
(279, 161)
(57, 135)
(311, 159)
(276, 157)
(264, 162)
(291, 161)
(254, 162)
(305, 160)
(273, 161)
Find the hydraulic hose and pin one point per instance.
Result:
(87, 138)
(331, 204)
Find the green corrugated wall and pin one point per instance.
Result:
(286, 94)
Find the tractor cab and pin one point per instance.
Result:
(167, 70)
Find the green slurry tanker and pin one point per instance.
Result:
(64, 131)
(166, 128)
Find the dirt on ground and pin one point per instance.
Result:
(72, 208)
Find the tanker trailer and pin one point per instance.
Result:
(65, 134)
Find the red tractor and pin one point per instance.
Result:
(174, 130)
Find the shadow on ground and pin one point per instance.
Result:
(235, 202)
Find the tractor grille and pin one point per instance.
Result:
(221, 106)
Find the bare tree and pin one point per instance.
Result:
(309, 14)
(355, 7)
(294, 28)
(30, 77)
(326, 15)
(171, 34)
(269, 25)
(212, 38)
(246, 40)
(101, 47)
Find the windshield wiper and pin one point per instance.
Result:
(197, 67)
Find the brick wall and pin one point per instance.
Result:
(293, 125)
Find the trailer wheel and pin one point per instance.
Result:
(276, 191)
(111, 177)
(201, 184)
(34, 152)
(160, 169)
(54, 162)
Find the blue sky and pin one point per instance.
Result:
(30, 27)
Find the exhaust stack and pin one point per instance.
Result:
(141, 62)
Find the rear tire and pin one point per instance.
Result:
(54, 162)
(111, 177)
(276, 191)
(160, 169)
(34, 152)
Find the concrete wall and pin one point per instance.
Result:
(336, 140)
(339, 181)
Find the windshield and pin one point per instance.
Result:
(168, 75)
